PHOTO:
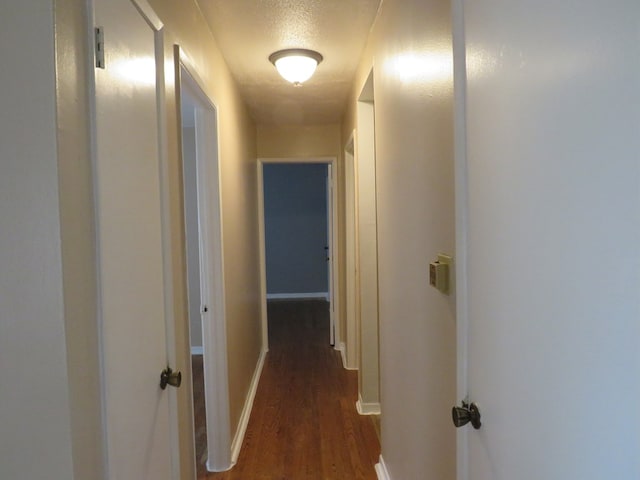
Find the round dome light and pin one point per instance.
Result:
(296, 65)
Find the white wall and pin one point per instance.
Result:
(553, 153)
(35, 438)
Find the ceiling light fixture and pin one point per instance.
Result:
(295, 65)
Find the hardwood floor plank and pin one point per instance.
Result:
(304, 424)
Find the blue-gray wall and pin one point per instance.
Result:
(295, 210)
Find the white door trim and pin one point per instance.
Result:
(329, 251)
(381, 470)
(352, 328)
(167, 245)
(153, 19)
(214, 336)
(461, 222)
(333, 248)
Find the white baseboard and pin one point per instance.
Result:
(381, 470)
(197, 350)
(297, 296)
(343, 355)
(236, 445)
(341, 348)
(367, 408)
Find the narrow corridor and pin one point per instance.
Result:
(304, 423)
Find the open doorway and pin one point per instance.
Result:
(296, 231)
(298, 235)
(203, 234)
(366, 218)
(361, 346)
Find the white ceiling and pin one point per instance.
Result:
(248, 31)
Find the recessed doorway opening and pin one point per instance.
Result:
(298, 234)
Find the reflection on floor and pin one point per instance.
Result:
(304, 424)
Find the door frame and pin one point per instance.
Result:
(461, 226)
(349, 347)
(333, 283)
(329, 253)
(214, 338)
(366, 204)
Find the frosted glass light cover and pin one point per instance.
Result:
(296, 65)
(296, 68)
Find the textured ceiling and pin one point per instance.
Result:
(248, 31)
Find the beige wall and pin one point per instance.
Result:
(410, 47)
(185, 27)
(414, 161)
(299, 141)
(36, 440)
(237, 136)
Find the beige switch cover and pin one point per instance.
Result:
(440, 272)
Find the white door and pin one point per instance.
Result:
(127, 172)
(553, 240)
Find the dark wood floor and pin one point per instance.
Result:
(304, 425)
(199, 413)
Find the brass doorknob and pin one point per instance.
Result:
(169, 377)
(465, 414)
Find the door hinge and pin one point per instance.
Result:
(99, 47)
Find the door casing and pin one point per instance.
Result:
(461, 222)
(367, 253)
(351, 344)
(334, 284)
(212, 295)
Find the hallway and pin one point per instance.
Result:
(506, 137)
(304, 423)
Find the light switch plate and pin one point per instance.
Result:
(446, 259)
(440, 273)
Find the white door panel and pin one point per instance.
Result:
(553, 237)
(130, 246)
